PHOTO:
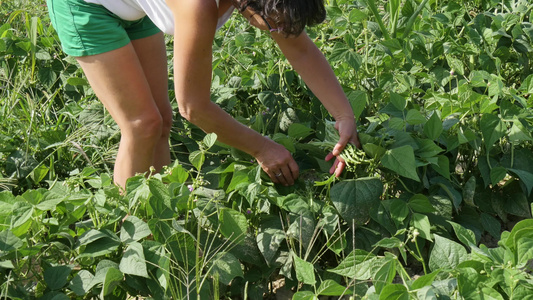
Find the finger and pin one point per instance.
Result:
(340, 168)
(286, 177)
(276, 177)
(281, 179)
(343, 140)
(329, 156)
(294, 169)
(334, 167)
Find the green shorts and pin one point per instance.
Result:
(89, 29)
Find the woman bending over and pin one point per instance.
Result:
(120, 46)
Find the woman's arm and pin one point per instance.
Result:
(195, 25)
(315, 70)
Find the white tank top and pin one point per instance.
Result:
(156, 10)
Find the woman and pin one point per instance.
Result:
(123, 56)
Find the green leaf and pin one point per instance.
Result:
(523, 291)
(332, 288)
(525, 177)
(518, 133)
(497, 174)
(495, 87)
(421, 222)
(305, 272)
(113, 277)
(425, 280)
(443, 166)
(47, 77)
(302, 227)
(268, 241)
(427, 148)
(427, 293)
(344, 54)
(357, 265)
(394, 292)
(356, 15)
(358, 100)
(433, 127)
(233, 224)
(209, 140)
(160, 200)
(299, 131)
(466, 236)
(455, 64)
(420, 203)
(384, 273)
(398, 101)
(492, 294)
(390, 243)
(178, 174)
(397, 124)
(9, 242)
(304, 295)
(82, 283)
(50, 201)
(101, 270)
(398, 211)
(22, 216)
(238, 180)
(469, 190)
(402, 161)
(524, 250)
(94, 235)
(446, 254)
(527, 85)
(374, 151)
(133, 229)
(353, 59)
(468, 281)
(6, 264)
(492, 129)
(197, 159)
(54, 295)
(244, 39)
(518, 231)
(227, 267)
(354, 198)
(491, 225)
(100, 247)
(517, 203)
(77, 81)
(133, 261)
(414, 117)
(56, 277)
(285, 141)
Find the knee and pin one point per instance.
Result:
(146, 128)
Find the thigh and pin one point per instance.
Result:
(86, 28)
(119, 81)
(152, 55)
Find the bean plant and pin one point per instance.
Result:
(436, 203)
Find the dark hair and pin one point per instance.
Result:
(290, 16)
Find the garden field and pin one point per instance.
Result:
(435, 205)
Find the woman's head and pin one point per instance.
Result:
(288, 16)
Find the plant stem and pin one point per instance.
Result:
(420, 258)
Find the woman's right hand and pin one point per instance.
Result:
(278, 163)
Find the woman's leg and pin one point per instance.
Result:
(152, 55)
(119, 81)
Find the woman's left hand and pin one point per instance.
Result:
(348, 134)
